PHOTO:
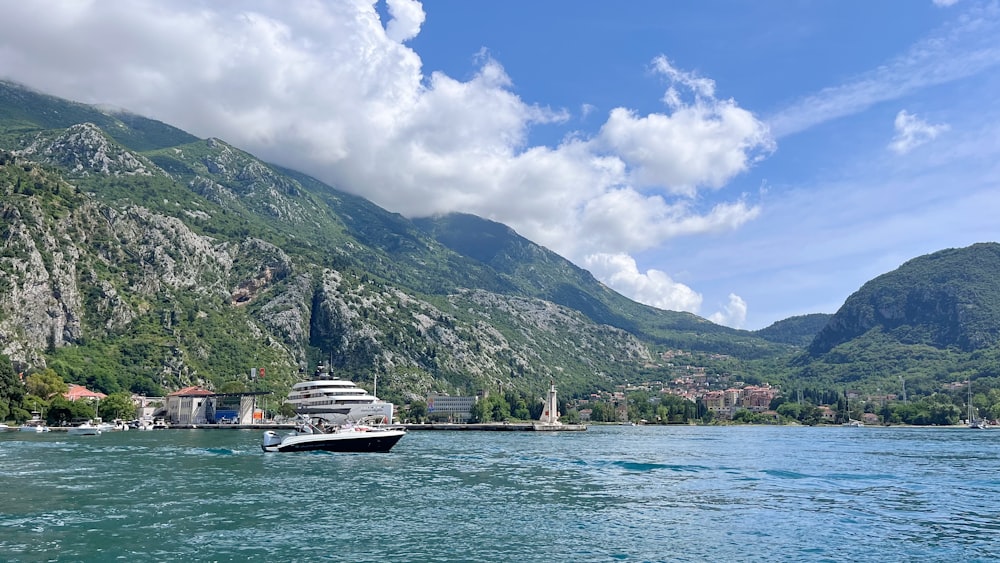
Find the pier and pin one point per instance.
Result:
(496, 427)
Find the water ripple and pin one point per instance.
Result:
(612, 493)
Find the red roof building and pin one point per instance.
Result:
(77, 392)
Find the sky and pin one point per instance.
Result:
(744, 161)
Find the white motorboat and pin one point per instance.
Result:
(85, 429)
(336, 401)
(116, 425)
(309, 436)
(36, 424)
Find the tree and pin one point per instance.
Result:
(118, 405)
(62, 411)
(418, 411)
(490, 409)
(46, 384)
(501, 408)
(286, 410)
(601, 412)
(479, 412)
(521, 411)
(572, 416)
(11, 389)
(790, 410)
(233, 386)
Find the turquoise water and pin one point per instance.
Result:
(608, 494)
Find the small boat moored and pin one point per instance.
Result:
(85, 429)
(343, 438)
(36, 424)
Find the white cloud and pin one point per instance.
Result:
(702, 143)
(407, 17)
(326, 88)
(733, 314)
(653, 287)
(911, 132)
(962, 48)
(945, 3)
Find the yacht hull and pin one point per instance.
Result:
(342, 441)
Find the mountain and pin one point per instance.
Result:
(933, 321)
(948, 299)
(529, 269)
(135, 256)
(798, 331)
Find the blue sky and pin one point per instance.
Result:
(745, 161)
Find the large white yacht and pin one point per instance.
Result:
(337, 401)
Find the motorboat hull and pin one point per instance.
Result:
(85, 430)
(373, 440)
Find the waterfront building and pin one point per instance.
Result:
(189, 405)
(444, 408)
(715, 402)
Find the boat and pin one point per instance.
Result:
(973, 422)
(36, 424)
(851, 422)
(312, 435)
(4, 427)
(116, 425)
(85, 429)
(144, 423)
(336, 401)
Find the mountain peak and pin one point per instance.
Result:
(85, 149)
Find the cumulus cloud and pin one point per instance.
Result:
(911, 132)
(654, 287)
(703, 142)
(733, 314)
(330, 89)
(407, 17)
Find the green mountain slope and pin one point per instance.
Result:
(151, 260)
(932, 322)
(24, 111)
(798, 331)
(948, 299)
(533, 270)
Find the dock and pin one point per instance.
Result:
(496, 427)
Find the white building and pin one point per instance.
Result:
(450, 409)
(189, 406)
